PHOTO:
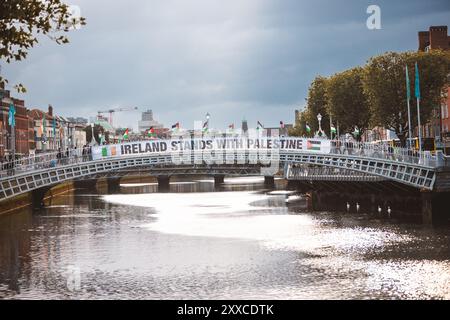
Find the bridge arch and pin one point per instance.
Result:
(398, 165)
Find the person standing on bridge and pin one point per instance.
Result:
(59, 156)
(67, 156)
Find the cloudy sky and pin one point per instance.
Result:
(235, 59)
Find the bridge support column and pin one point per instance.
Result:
(90, 184)
(38, 196)
(435, 209)
(219, 179)
(269, 181)
(113, 185)
(163, 183)
(291, 185)
(315, 201)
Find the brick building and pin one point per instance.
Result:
(437, 38)
(22, 132)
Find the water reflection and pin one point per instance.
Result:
(239, 241)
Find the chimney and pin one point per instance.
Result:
(424, 40)
(50, 110)
(438, 37)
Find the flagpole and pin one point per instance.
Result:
(337, 124)
(13, 142)
(418, 120)
(12, 123)
(331, 132)
(408, 97)
(409, 125)
(417, 94)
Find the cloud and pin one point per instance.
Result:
(233, 59)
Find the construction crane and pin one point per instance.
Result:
(112, 111)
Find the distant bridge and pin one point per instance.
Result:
(220, 157)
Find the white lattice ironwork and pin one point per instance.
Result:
(33, 173)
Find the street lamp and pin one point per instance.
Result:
(320, 133)
(319, 118)
(93, 142)
(206, 124)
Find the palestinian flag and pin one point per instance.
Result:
(205, 126)
(125, 135)
(151, 132)
(313, 145)
(333, 129)
(176, 126)
(259, 125)
(356, 132)
(308, 128)
(281, 124)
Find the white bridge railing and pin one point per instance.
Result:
(336, 147)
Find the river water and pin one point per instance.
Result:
(194, 242)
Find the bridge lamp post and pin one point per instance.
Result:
(93, 142)
(208, 116)
(319, 118)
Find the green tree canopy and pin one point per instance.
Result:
(299, 128)
(98, 129)
(347, 102)
(21, 21)
(317, 103)
(385, 86)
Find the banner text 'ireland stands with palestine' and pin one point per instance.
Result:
(213, 144)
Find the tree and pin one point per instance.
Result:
(98, 129)
(347, 102)
(317, 103)
(385, 87)
(21, 21)
(299, 130)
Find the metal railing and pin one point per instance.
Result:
(384, 151)
(43, 161)
(338, 147)
(308, 172)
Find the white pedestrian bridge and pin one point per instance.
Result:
(220, 155)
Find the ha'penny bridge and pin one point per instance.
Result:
(295, 159)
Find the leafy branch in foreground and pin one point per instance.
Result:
(22, 21)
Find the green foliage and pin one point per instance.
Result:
(21, 21)
(98, 129)
(347, 102)
(317, 103)
(385, 87)
(375, 95)
(299, 129)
